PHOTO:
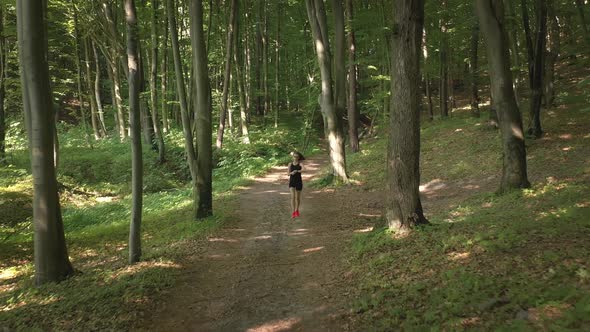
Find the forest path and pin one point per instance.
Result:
(267, 272)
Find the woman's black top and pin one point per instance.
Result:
(295, 180)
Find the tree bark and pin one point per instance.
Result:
(244, 133)
(277, 64)
(553, 49)
(353, 111)
(164, 82)
(444, 64)
(50, 252)
(403, 206)
(473, 69)
(580, 8)
(79, 81)
(97, 90)
(136, 161)
(3, 67)
(154, 85)
(203, 114)
(226, 75)
(513, 29)
(339, 60)
(491, 20)
(536, 54)
(113, 59)
(317, 19)
(96, 126)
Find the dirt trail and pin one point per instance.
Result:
(268, 272)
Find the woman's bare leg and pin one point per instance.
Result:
(298, 200)
(293, 199)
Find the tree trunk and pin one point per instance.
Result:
(3, 67)
(79, 82)
(513, 29)
(97, 90)
(96, 127)
(353, 111)
(146, 123)
(339, 60)
(154, 84)
(553, 49)
(259, 62)
(317, 19)
(265, 48)
(580, 8)
(444, 64)
(240, 81)
(203, 114)
(473, 69)
(537, 67)
(50, 252)
(136, 161)
(226, 75)
(403, 206)
(491, 19)
(189, 147)
(164, 82)
(277, 64)
(113, 59)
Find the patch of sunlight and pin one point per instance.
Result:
(458, 256)
(583, 204)
(218, 256)
(364, 230)
(262, 237)
(459, 214)
(432, 186)
(219, 239)
(369, 215)
(552, 185)
(567, 148)
(141, 266)
(566, 136)
(308, 250)
(9, 273)
(547, 312)
(105, 199)
(487, 205)
(517, 132)
(458, 130)
(277, 325)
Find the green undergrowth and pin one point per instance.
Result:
(517, 261)
(106, 293)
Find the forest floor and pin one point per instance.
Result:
(264, 271)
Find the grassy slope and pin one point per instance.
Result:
(519, 260)
(108, 294)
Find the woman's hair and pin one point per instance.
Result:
(301, 157)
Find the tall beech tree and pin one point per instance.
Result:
(353, 111)
(3, 67)
(473, 69)
(403, 206)
(203, 190)
(136, 160)
(227, 74)
(112, 50)
(319, 28)
(154, 81)
(491, 20)
(536, 59)
(50, 252)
